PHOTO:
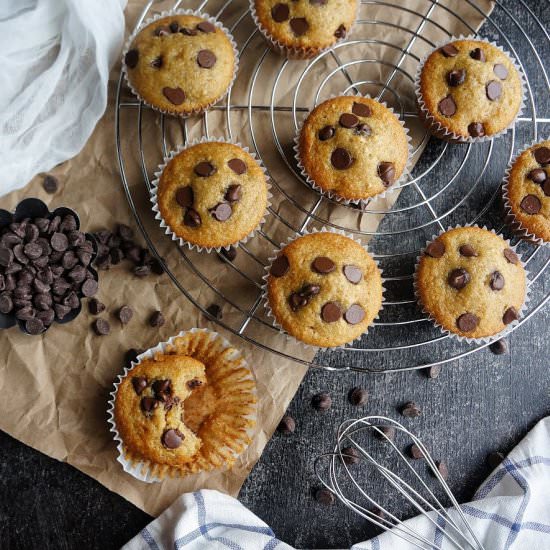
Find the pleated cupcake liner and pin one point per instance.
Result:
(295, 52)
(265, 298)
(138, 466)
(439, 130)
(485, 339)
(509, 217)
(172, 13)
(164, 225)
(362, 203)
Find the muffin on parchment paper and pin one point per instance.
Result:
(468, 90)
(352, 148)
(471, 282)
(324, 289)
(181, 63)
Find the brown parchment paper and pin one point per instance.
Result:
(59, 383)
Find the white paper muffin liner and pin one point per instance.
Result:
(332, 194)
(154, 192)
(509, 217)
(296, 52)
(171, 13)
(435, 127)
(485, 339)
(267, 306)
(141, 470)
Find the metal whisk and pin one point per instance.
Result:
(337, 473)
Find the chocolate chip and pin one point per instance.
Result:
(50, 183)
(71, 300)
(354, 315)
(331, 312)
(386, 172)
(157, 319)
(442, 469)
(233, 193)
(449, 50)
(499, 347)
(34, 326)
(468, 251)
(501, 71)
(139, 383)
(116, 256)
(546, 187)
(542, 155)
(6, 303)
(435, 249)
(363, 129)
(174, 26)
(206, 26)
(229, 253)
(494, 460)
(323, 265)
(341, 159)
(59, 242)
(6, 257)
(456, 77)
(538, 175)
(237, 165)
(321, 401)
(162, 30)
(310, 290)
(157, 62)
(494, 90)
(299, 25)
(497, 281)
(206, 59)
(205, 169)
(125, 314)
(478, 54)
(46, 316)
(384, 433)
(131, 59)
(352, 273)
(162, 388)
(280, 12)
(467, 322)
(350, 455)
(192, 218)
(347, 120)
(89, 287)
(510, 315)
(447, 106)
(101, 326)
(215, 311)
(326, 133)
(458, 278)
(131, 356)
(433, 372)
(221, 212)
(24, 313)
(530, 204)
(32, 251)
(340, 32)
(148, 404)
(185, 196)
(287, 425)
(411, 410)
(176, 96)
(77, 274)
(188, 32)
(280, 266)
(324, 496)
(510, 256)
(297, 301)
(193, 384)
(95, 307)
(358, 397)
(415, 452)
(361, 109)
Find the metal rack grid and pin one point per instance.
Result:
(429, 200)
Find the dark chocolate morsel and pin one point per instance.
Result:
(323, 265)
(456, 77)
(326, 133)
(531, 204)
(131, 58)
(478, 54)
(447, 106)
(386, 172)
(496, 281)
(185, 196)
(206, 59)
(331, 312)
(280, 266)
(435, 249)
(237, 165)
(468, 251)
(299, 25)
(449, 50)
(348, 120)
(280, 12)
(361, 109)
(467, 322)
(341, 159)
(458, 278)
(510, 315)
(204, 169)
(476, 129)
(176, 96)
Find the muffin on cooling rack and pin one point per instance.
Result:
(470, 282)
(211, 195)
(189, 407)
(302, 29)
(324, 289)
(468, 90)
(353, 148)
(180, 63)
(526, 193)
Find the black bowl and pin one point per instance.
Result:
(35, 208)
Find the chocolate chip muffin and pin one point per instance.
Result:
(181, 63)
(470, 282)
(468, 89)
(212, 194)
(301, 28)
(526, 193)
(324, 289)
(352, 147)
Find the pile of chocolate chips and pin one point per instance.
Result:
(44, 270)
(114, 247)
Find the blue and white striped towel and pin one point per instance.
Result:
(510, 511)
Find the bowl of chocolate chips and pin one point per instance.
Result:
(45, 266)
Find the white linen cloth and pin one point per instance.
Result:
(55, 57)
(511, 510)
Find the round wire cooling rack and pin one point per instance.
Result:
(450, 183)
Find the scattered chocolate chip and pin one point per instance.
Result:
(6, 257)
(494, 460)
(435, 249)
(233, 193)
(89, 287)
(354, 315)
(433, 371)
(148, 404)
(468, 251)
(415, 452)
(352, 273)
(494, 90)
(280, 12)
(237, 165)
(341, 159)
(157, 319)
(442, 469)
(215, 311)
(162, 388)
(347, 120)
(386, 172)
(323, 265)
(447, 106)
(185, 196)
(326, 133)
(546, 187)
(496, 281)
(101, 326)
(358, 397)
(297, 301)
(458, 278)
(340, 32)
(192, 218)
(6, 303)
(350, 455)
(50, 183)
(206, 26)
(139, 383)
(125, 314)
(324, 496)
(280, 266)
(176, 96)
(456, 77)
(299, 25)
(172, 439)
(206, 59)
(193, 384)
(157, 62)
(188, 32)
(499, 347)
(467, 322)
(205, 169)
(531, 204)
(510, 256)
(229, 253)
(510, 315)
(501, 71)
(310, 290)
(174, 26)
(331, 312)
(542, 155)
(131, 59)
(538, 175)
(410, 410)
(449, 50)
(95, 307)
(34, 326)
(361, 109)
(321, 401)
(221, 212)
(478, 54)
(287, 425)
(31, 250)
(384, 433)
(59, 242)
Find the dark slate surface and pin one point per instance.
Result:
(479, 404)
